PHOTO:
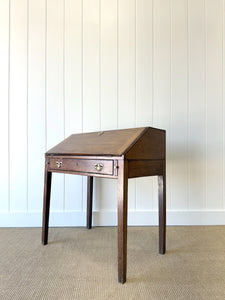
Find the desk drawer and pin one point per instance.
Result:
(82, 165)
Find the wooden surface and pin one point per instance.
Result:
(141, 168)
(122, 189)
(82, 165)
(89, 201)
(151, 145)
(162, 212)
(119, 154)
(112, 142)
(46, 204)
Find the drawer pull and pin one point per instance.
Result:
(58, 164)
(99, 167)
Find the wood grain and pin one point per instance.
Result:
(111, 142)
(151, 145)
(140, 168)
(82, 165)
(115, 167)
(162, 212)
(46, 203)
(89, 201)
(122, 186)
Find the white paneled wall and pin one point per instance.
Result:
(69, 66)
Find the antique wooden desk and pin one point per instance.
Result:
(119, 154)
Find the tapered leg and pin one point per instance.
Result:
(46, 205)
(89, 201)
(122, 220)
(162, 213)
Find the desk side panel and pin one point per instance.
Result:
(152, 145)
(142, 168)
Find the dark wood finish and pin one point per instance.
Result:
(89, 201)
(151, 145)
(84, 174)
(122, 186)
(81, 165)
(119, 154)
(162, 213)
(46, 203)
(111, 142)
(140, 168)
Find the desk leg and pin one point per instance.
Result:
(122, 220)
(162, 213)
(46, 205)
(89, 201)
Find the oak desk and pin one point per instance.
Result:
(119, 154)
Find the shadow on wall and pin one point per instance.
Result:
(195, 174)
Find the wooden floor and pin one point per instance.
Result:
(82, 264)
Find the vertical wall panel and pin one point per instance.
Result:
(126, 63)
(162, 81)
(73, 67)
(108, 91)
(73, 93)
(144, 63)
(108, 64)
(214, 108)
(55, 90)
(18, 106)
(144, 88)
(36, 102)
(179, 105)
(196, 141)
(4, 76)
(91, 105)
(87, 65)
(223, 110)
(126, 75)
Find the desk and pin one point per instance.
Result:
(118, 154)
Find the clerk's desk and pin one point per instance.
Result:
(118, 154)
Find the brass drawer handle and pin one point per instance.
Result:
(58, 164)
(99, 167)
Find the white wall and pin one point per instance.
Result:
(70, 66)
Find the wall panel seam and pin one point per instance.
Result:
(117, 36)
(153, 78)
(223, 105)
(82, 86)
(135, 87)
(27, 108)
(188, 107)
(46, 37)
(82, 64)
(153, 53)
(205, 98)
(9, 67)
(100, 65)
(64, 97)
(170, 119)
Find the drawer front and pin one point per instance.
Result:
(82, 165)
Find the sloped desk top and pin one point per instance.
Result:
(119, 154)
(110, 143)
